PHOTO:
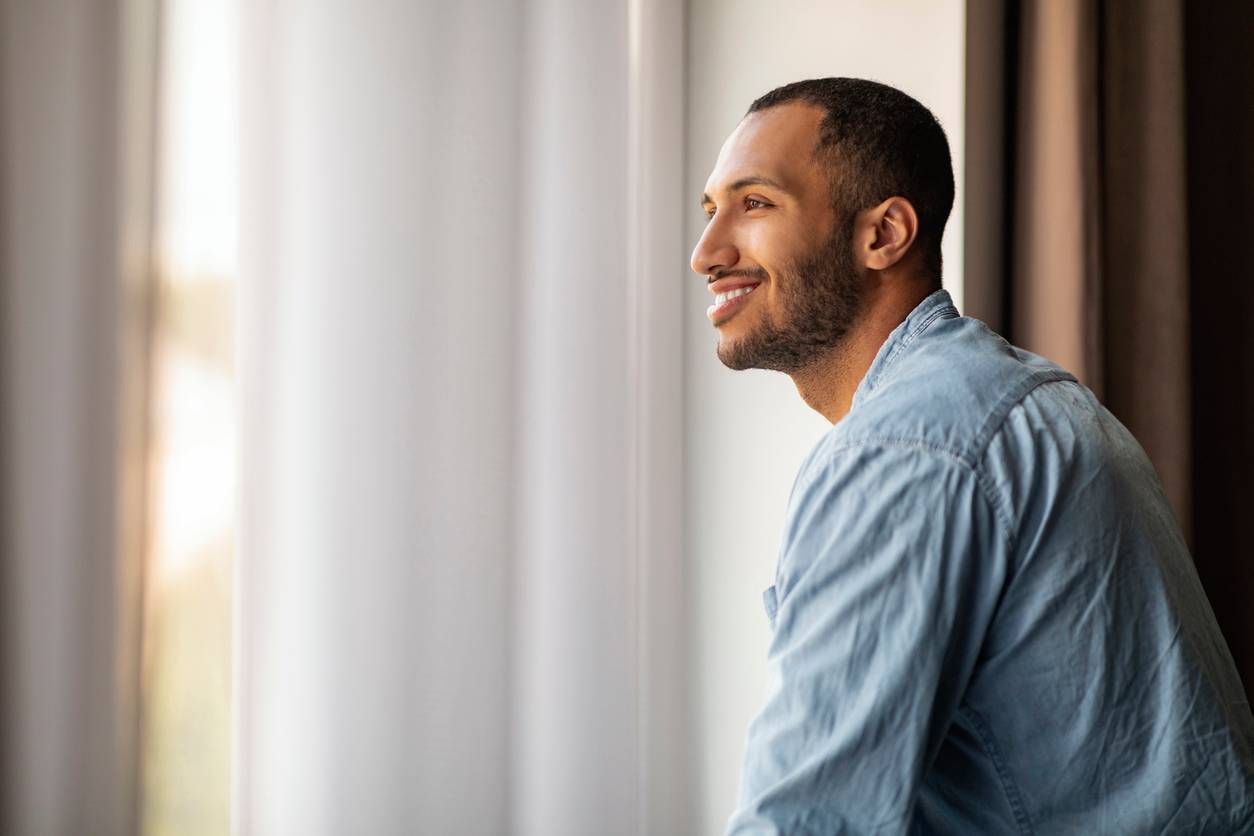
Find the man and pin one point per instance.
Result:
(985, 617)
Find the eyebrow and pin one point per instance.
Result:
(743, 182)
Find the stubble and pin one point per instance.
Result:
(821, 297)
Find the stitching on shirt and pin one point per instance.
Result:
(998, 503)
(995, 421)
(1005, 406)
(1007, 782)
(986, 487)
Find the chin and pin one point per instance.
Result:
(730, 355)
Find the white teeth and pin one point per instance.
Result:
(732, 294)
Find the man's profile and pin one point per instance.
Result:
(985, 618)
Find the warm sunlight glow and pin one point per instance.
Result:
(199, 218)
(192, 452)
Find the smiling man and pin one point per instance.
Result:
(985, 616)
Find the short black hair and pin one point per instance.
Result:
(879, 143)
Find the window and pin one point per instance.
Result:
(192, 445)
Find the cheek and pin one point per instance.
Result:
(769, 238)
(775, 245)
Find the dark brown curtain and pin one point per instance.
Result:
(1110, 227)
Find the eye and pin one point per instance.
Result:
(749, 201)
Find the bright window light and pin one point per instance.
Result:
(192, 443)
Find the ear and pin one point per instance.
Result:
(886, 232)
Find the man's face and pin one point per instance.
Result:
(774, 232)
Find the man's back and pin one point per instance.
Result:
(986, 619)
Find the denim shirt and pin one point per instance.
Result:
(986, 620)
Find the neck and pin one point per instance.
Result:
(828, 385)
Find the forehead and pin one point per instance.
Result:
(777, 143)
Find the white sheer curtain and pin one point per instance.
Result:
(458, 601)
(459, 569)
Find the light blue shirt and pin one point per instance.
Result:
(986, 619)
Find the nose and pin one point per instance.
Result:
(715, 251)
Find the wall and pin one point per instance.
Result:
(747, 433)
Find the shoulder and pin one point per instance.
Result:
(923, 423)
(950, 389)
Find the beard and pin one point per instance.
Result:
(820, 297)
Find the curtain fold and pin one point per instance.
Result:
(377, 294)
(454, 556)
(69, 495)
(1142, 237)
(1099, 155)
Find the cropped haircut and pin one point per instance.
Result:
(878, 143)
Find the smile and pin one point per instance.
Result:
(726, 303)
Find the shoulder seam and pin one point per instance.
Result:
(994, 431)
(996, 417)
(956, 457)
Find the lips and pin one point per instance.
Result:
(728, 300)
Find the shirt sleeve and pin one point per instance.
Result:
(892, 563)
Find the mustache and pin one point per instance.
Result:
(757, 273)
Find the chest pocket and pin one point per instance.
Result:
(770, 603)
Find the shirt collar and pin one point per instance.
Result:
(937, 304)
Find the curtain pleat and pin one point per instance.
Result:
(447, 478)
(1143, 237)
(1049, 271)
(69, 596)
